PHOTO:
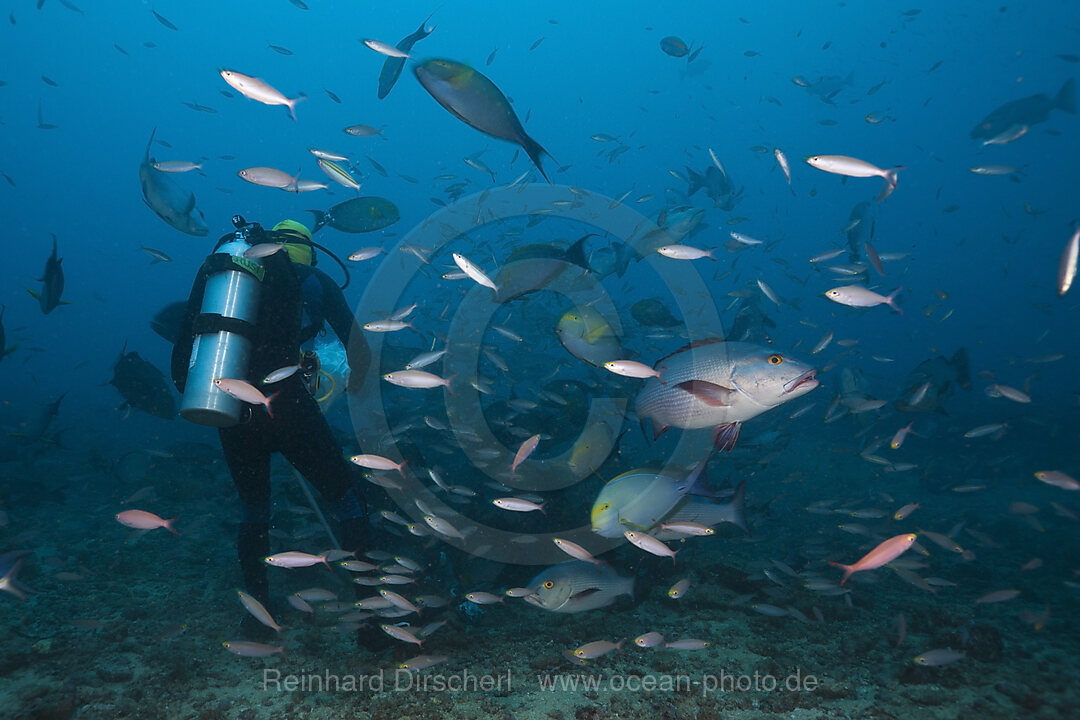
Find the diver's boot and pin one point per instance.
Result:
(252, 545)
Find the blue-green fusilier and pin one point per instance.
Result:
(473, 98)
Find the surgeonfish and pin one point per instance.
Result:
(358, 215)
(472, 98)
(588, 336)
(642, 499)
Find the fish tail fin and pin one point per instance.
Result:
(737, 508)
(891, 174)
(423, 26)
(535, 151)
(401, 467)
(891, 299)
(890, 182)
(848, 569)
(168, 525)
(576, 253)
(320, 220)
(697, 483)
(449, 387)
(694, 182)
(1066, 97)
(8, 584)
(292, 102)
(150, 143)
(269, 400)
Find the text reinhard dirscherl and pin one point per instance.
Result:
(406, 680)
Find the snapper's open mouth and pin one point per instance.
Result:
(806, 380)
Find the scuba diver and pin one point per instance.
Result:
(248, 316)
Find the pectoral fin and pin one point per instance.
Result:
(598, 333)
(709, 393)
(658, 428)
(725, 436)
(633, 526)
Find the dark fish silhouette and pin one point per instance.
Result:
(827, 87)
(358, 215)
(473, 99)
(168, 320)
(652, 312)
(1027, 111)
(142, 386)
(717, 186)
(35, 430)
(862, 224)
(4, 349)
(674, 46)
(167, 199)
(52, 283)
(532, 267)
(939, 376)
(751, 324)
(391, 69)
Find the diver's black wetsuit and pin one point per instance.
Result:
(298, 429)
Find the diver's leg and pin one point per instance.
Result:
(312, 449)
(249, 464)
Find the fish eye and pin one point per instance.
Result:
(604, 507)
(549, 584)
(775, 359)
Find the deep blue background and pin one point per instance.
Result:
(599, 70)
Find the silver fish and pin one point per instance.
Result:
(576, 586)
(721, 385)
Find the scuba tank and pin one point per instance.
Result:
(225, 327)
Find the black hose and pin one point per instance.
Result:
(344, 268)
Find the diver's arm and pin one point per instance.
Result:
(339, 316)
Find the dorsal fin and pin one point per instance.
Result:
(691, 346)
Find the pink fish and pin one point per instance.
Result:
(884, 553)
(142, 520)
(523, 452)
(245, 391)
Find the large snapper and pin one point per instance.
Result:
(720, 385)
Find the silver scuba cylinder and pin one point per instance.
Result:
(223, 339)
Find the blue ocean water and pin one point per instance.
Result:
(980, 258)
